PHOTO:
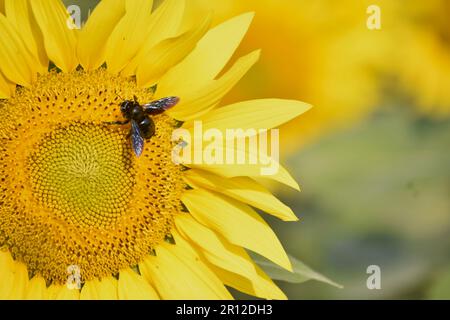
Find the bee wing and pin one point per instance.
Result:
(137, 141)
(161, 105)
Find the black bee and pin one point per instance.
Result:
(142, 125)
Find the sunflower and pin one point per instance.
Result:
(81, 217)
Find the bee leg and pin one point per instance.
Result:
(120, 123)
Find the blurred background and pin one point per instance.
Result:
(372, 157)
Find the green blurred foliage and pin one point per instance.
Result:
(440, 288)
(377, 193)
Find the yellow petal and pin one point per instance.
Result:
(237, 222)
(167, 54)
(16, 62)
(60, 41)
(163, 24)
(254, 114)
(266, 289)
(2, 6)
(61, 292)
(255, 164)
(6, 275)
(209, 57)
(134, 287)
(19, 13)
(104, 289)
(5, 87)
(229, 257)
(36, 289)
(91, 48)
(20, 281)
(178, 274)
(243, 189)
(196, 103)
(129, 34)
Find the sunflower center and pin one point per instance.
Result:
(84, 173)
(73, 193)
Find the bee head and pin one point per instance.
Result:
(126, 107)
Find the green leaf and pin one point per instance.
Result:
(301, 272)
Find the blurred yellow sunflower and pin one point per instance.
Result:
(422, 62)
(80, 216)
(317, 51)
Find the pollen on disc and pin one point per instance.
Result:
(84, 173)
(72, 190)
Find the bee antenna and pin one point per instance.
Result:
(119, 96)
